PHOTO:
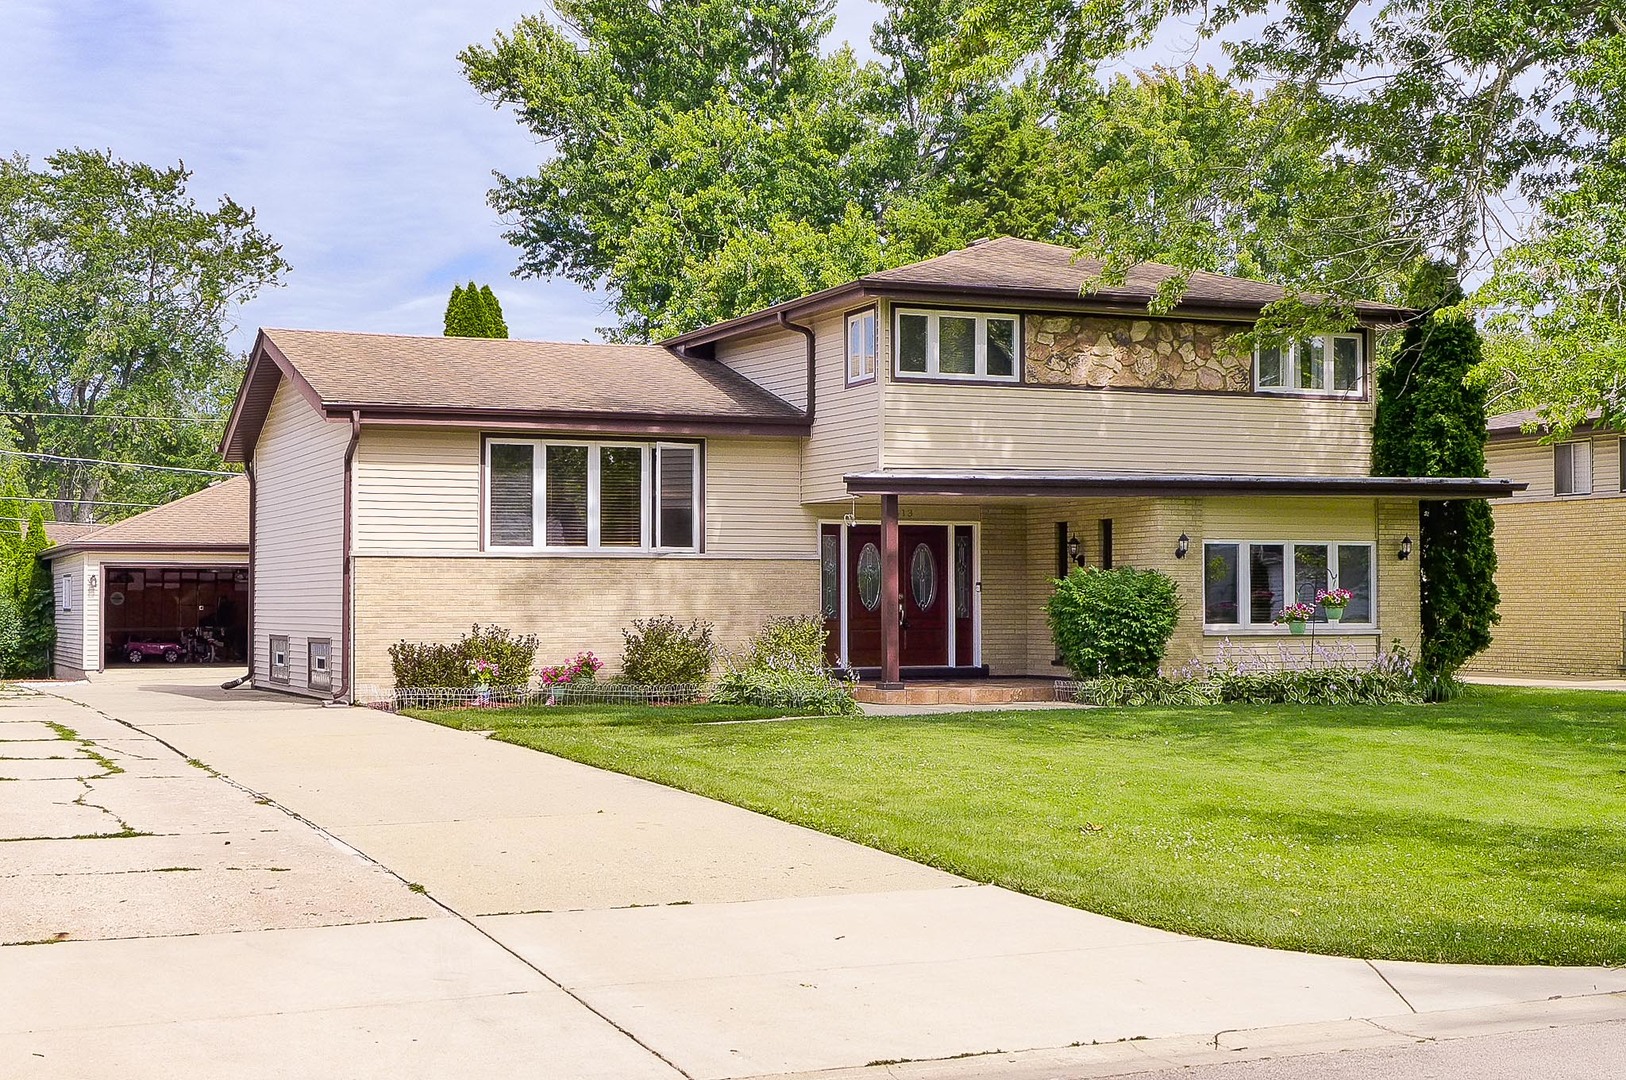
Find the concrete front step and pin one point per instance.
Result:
(966, 692)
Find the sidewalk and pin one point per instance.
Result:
(729, 944)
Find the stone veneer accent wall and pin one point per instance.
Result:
(1065, 350)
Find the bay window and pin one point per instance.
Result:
(958, 345)
(592, 496)
(1246, 584)
(1328, 363)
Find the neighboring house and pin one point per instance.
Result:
(913, 454)
(1560, 552)
(176, 575)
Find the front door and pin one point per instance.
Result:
(923, 567)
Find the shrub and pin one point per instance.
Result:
(663, 652)
(1391, 679)
(426, 666)
(784, 669)
(1113, 622)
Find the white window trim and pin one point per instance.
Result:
(980, 340)
(64, 599)
(865, 371)
(652, 462)
(1568, 446)
(539, 501)
(1244, 573)
(1290, 369)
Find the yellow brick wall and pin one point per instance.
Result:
(571, 603)
(1561, 571)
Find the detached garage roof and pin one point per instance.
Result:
(392, 378)
(214, 519)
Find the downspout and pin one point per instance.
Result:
(812, 384)
(248, 650)
(342, 694)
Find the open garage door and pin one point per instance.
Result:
(175, 614)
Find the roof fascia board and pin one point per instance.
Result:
(531, 420)
(1006, 486)
(75, 547)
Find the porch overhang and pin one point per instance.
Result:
(1019, 483)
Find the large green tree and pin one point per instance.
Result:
(1431, 422)
(738, 185)
(116, 294)
(474, 312)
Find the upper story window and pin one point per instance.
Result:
(861, 347)
(1328, 364)
(594, 496)
(1572, 468)
(958, 345)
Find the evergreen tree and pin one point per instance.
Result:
(496, 326)
(31, 598)
(454, 313)
(1430, 422)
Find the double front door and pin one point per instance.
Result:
(936, 593)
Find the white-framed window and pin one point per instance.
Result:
(319, 670)
(601, 495)
(278, 656)
(1247, 583)
(1326, 364)
(860, 347)
(64, 592)
(1572, 467)
(969, 345)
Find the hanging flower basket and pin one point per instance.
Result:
(1296, 616)
(1334, 601)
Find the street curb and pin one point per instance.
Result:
(1136, 1056)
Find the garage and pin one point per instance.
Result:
(168, 586)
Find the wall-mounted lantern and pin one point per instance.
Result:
(1405, 549)
(1182, 546)
(1074, 549)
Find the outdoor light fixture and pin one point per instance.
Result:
(1182, 546)
(1405, 548)
(1073, 548)
(92, 583)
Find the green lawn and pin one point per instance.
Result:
(1489, 830)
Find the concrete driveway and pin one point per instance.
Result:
(425, 902)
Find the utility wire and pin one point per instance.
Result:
(123, 464)
(76, 502)
(113, 416)
(27, 520)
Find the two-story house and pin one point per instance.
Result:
(1561, 551)
(916, 455)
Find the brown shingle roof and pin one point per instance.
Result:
(60, 532)
(1035, 271)
(213, 519)
(371, 370)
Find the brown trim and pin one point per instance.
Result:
(74, 547)
(346, 596)
(255, 395)
(253, 505)
(846, 343)
(532, 421)
(812, 367)
(891, 597)
(1064, 485)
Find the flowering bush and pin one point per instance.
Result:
(1334, 598)
(579, 668)
(1296, 613)
(1326, 677)
(482, 670)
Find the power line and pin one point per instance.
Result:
(75, 502)
(30, 520)
(113, 416)
(124, 464)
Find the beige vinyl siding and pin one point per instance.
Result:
(753, 503)
(846, 420)
(416, 490)
(572, 604)
(299, 535)
(1530, 461)
(775, 361)
(69, 654)
(1028, 427)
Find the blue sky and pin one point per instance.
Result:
(346, 125)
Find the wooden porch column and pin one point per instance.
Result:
(891, 598)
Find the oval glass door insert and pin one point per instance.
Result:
(923, 576)
(869, 577)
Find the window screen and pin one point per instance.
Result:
(513, 495)
(621, 496)
(676, 478)
(567, 496)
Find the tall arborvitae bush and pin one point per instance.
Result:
(473, 311)
(31, 603)
(1430, 422)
